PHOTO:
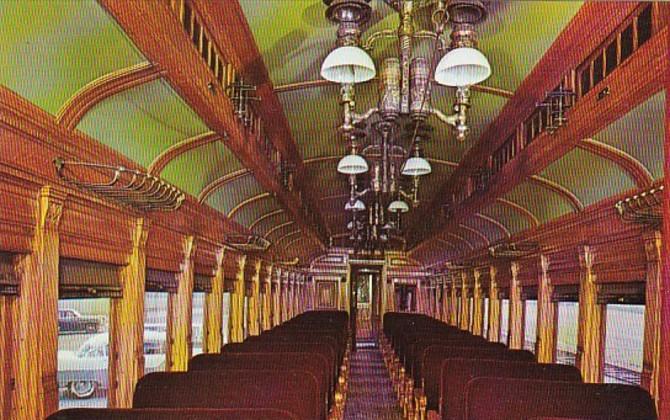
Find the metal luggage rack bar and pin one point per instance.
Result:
(128, 187)
(644, 208)
(247, 242)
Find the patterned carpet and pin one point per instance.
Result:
(370, 393)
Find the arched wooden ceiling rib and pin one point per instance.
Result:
(264, 217)
(246, 202)
(461, 239)
(276, 228)
(565, 193)
(311, 84)
(308, 245)
(636, 170)
(476, 232)
(495, 223)
(220, 182)
(103, 87)
(177, 149)
(534, 221)
(443, 241)
(285, 236)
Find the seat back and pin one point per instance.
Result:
(456, 373)
(292, 391)
(520, 399)
(435, 355)
(172, 414)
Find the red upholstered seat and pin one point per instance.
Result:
(457, 373)
(435, 355)
(314, 363)
(172, 414)
(292, 391)
(522, 399)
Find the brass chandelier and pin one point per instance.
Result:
(385, 159)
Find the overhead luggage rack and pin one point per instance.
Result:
(129, 187)
(247, 242)
(644, 208)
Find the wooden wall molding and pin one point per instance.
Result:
(102, 88)
(559, 189)
(178, 149)
(633, 168)
(521, 209)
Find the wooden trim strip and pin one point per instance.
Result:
(178, 149)
(74, 109)
(495, 223)
(246, 202)
(277, 227)
(565, 193)
(462, 239)
(220, 182)
(288, 235)
(633, 167)
(476, 232)
(521, 209)
(265, 216)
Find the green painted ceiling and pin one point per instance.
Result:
(640, 133)
(487, 228)
(247, 214)
(543, 203)
(590, 177)
(199, 167)
(265, 225)
(143, 121)
(52, 49)
(234, 192)
(512, 219)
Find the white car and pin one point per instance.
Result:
(84, 372)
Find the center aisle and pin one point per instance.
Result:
(370, 394)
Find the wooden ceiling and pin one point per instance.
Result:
(147, 95)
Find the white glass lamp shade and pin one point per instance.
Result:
(352, 165)
(398, 206)
(462, 67)
(349, 65)
(358, 205)
(416, 166)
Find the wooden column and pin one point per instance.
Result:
(36, 314)
(652, 310)
(446, 300)
(464, 323)
(214, 309)
(494, 308)
(276, 298)
(547, 316)
(453, 310)
(478, 305)
(591, 323)
(516, 311)
(7, 345)
(237, 304)
(266, 280)
(284, 294)
(180, 313)
(126, 334)
(663, 395)
(253, 317)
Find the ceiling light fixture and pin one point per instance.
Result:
(390, 132)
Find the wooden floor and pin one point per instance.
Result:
(370, 391)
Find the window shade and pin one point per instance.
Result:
(161, 281)
(79, 279)
(565, 293)
(9, 280)
(202, 283)
(621, 293)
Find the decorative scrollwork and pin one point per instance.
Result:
(644, 208)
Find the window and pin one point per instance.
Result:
(155, 327)
(566, 335)
(624, 344)
(226, 318)
(504, 320)
(83, 348)
(530, 327)
(197, 333)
